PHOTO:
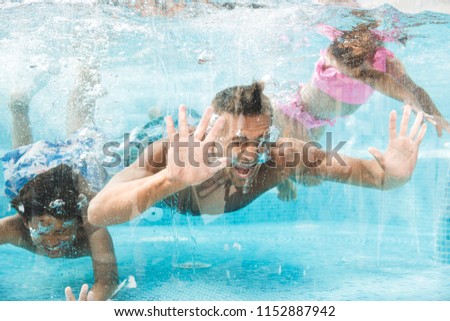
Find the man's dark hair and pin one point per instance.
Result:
(243, 100)
(55, 192)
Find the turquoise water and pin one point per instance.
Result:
(335, 242)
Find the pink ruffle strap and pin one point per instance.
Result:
(294, 109)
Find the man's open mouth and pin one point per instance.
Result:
(244, 170)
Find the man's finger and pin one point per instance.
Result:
(421, 135)
(377, 155)
(393, 125)
(405, 120)
(215, 130)
(170, 128)
(203, 125)
(416, 125)
(182, 122)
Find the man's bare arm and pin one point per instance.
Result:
(137, 188)
(388, 170)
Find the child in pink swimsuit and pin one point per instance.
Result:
(345, 76)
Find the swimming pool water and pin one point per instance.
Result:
(364, 247)
(335, 242)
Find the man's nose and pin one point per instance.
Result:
(249, 153)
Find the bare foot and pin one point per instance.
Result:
(309, 181)
(19, 102)
(88, 88)
(82, 100)
(31, 78)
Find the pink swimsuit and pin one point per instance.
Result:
(334, 83)
(340, 86)
(343, 88)
(294, 109)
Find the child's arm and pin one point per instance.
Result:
(386, 84)
(7, 230)
(12, 230)
(390, 86)
(103, 262)
(104, 265)
(395, 68)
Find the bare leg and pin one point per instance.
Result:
(21, 129)
(29, 82)
(287, 190)
(81, 104)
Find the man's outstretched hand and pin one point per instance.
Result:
(187, 155)
(399, 159)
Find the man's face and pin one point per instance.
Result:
(52, 237)
(242, 139)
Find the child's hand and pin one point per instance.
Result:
(441, 124)
(431, 114)
(85, 295)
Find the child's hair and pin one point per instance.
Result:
(355, 46)
(243, 100)
(57, 192)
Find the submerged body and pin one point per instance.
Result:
(234, 176)
(48, 185)
(347, 73)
